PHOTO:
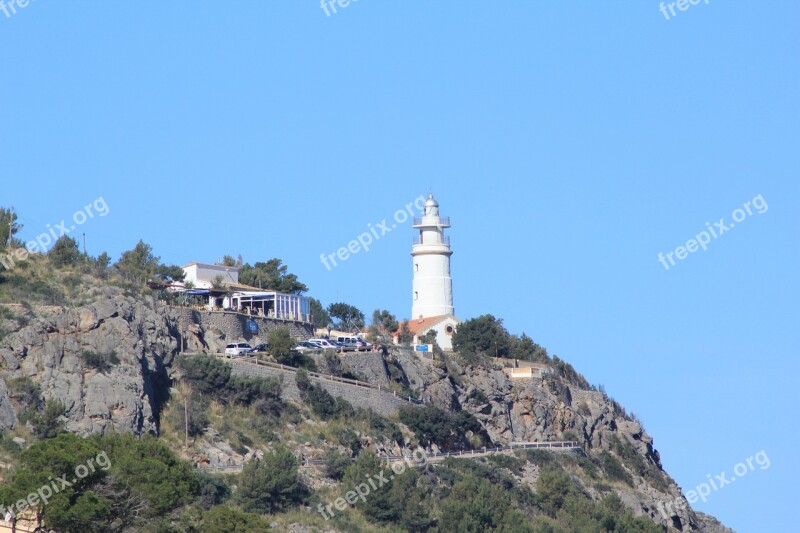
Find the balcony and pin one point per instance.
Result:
(444, 222)
(444, 241)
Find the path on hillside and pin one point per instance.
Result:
(434, 457)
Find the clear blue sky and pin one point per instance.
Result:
(570, 142)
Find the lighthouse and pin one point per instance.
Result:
(432, 287)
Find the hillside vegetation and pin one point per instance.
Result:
(182, 443)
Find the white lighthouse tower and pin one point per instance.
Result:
(433, 286)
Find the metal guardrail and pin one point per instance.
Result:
(322, 377)
(443, 222)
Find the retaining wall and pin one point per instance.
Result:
(232, 325)
(382, 402)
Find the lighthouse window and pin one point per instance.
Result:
(416, 295)
(416, 267)
(448, 329)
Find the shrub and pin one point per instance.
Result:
(102, 362)
(281, 344)
(195, 407)
(484, 335)
(321, 401)
(432, 425)
(270, 484)
(48, 423)
(211, 490)
(613, 468)
(224, 519)
(25, 393)
(206, 374)
(336, 463)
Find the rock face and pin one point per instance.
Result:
(139, 338)
(8, 418)
(126, 397)
(552, 409)
(142, 335)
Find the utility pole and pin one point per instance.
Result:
(84, 243)
(10, 225)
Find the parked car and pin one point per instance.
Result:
(326, 344)
(307, 347)
(263, 347)
(237, 348)
(366, 345)
(352, 344)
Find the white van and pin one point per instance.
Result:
(237, 348)
(352, 344)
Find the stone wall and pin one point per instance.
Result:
(230, 326)
(382, 402)
(368, 366)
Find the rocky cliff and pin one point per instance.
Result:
(58, 351)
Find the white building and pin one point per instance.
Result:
(444, 326)
(432, 286)
(230, 295)
(432, 307)
(202, 275)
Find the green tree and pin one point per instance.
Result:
(99, 265)
(149, 472)
(476, 506)
(319, 315)
(429, 337)
(139, 264)
(281, 344)
(524, 348)
(9, 227)
(432, 425)
(207, 375)
(484, 335)
(270, 484)
(336, 463)
(347, 316)
(228, 261)
(377, 505)
(552, 489)
(384, 320)
(170, 273)
(271, 275)
(74, 507)
(65, 252)
(405, 336)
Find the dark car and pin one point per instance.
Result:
(263, 347)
